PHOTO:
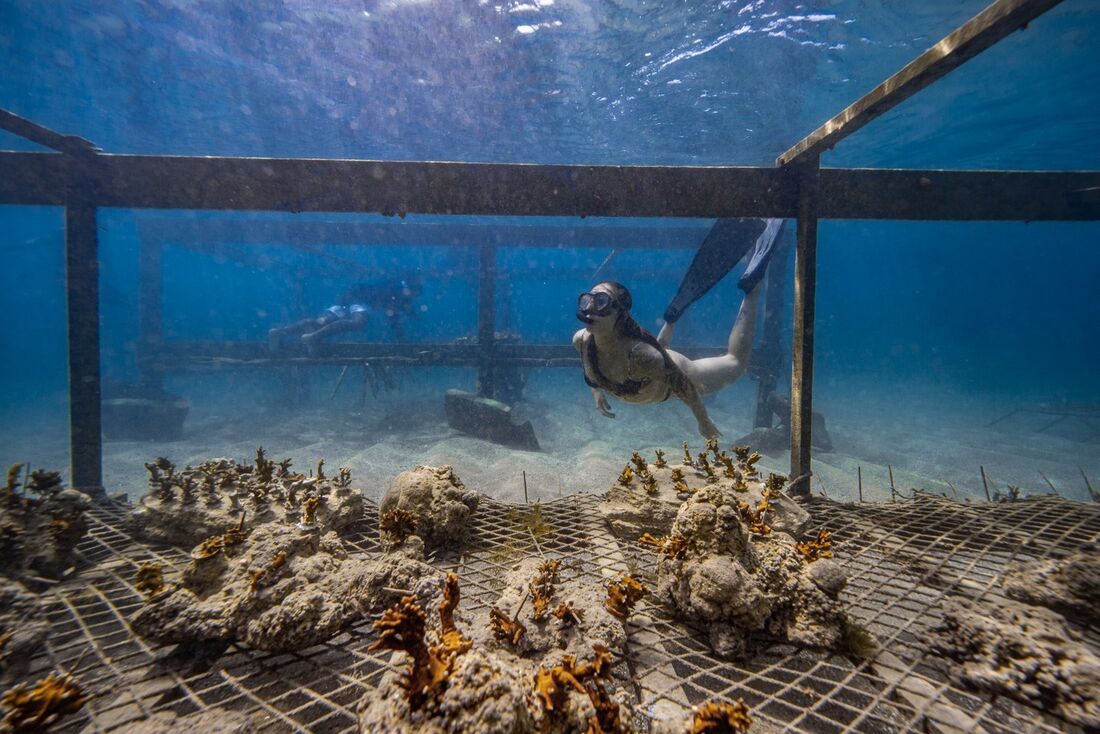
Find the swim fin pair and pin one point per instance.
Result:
(728, 242)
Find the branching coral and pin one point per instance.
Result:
(552, 686)
(747, 459)
(687, 460)
(755, 518)
(627, 476)
(37, 708)
(821, 547)
(673, 546)
(542, 588)
(722, 718)
(505, 628)
(402, 628)
(452, 643)
(639, 463)
(215, 544)
(775, 483)
(397, 525)
(149, 580)
(566, 614)
(660, 463)
(622, 594)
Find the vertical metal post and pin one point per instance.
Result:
(82, 286)
(802, 339)
(486, 319)
(150, 311)
(769, 350)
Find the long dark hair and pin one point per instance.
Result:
(627, 326)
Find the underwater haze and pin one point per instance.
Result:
(940, 346)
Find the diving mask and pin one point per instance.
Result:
(595, 304)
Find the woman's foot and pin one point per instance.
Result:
(760, 256)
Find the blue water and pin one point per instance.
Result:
(965, 320)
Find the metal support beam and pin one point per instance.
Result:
(802, 338)
(967, 41)
(486, 319)
(82, 287)
(515, 189)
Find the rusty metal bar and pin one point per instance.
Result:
(82, 287)
(639, 191)
(802, 338)
(964, 43)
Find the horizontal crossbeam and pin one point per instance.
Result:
(275, 184)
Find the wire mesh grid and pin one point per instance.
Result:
(904, 560)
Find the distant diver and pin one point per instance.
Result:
(394, 299)
(622, 358)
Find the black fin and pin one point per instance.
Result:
(759, 258)
(727, 242)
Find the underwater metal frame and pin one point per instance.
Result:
(83, 179)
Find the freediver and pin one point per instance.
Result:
(622, 358)
(394, 299)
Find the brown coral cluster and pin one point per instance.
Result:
(217, 543)
(149, 580)
(37, 708)
(542, 588)
(404, 628)
(820, 547)
(397, 526)
(552, 686)
(722, 718)
(622, 594)
(754, 519)
(505, 628)
(671, 546)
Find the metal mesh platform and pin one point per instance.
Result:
(903, 558)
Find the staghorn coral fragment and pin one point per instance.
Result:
(677, 475)
(504, 628)
(397, 526)
(649, 483)
(310, 509)
(402, 628)
(566, 614)
(542, 588)
(627, 476)
(775, 483)
(37, 708)
(639, 463)
(660, 463)
(622, 594)
(149, 580)
(721, 718)
(552, 684)
(606, 720)
(687, 460)
(672, 546)
(452, 643)
(755, 518)
(821, 547)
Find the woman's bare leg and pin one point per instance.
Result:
(713, 373)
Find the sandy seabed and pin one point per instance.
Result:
(931, 437)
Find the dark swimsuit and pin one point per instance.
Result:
(590, 358)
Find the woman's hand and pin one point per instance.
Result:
(601, 404)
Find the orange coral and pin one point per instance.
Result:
(552, 684)
(722, 718)
(623, 594)
(542, 588)
(627, 476)
(452, 642)
(606, 719)
(747, 458)
(402, 628)
(505, 628)
(398, 525)
(755, 518)
(567, 614)
(36, 709)
(821, 547)
(639, 462)
(149, 581)
(673, 546)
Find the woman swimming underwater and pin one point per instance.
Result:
(622, 358)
